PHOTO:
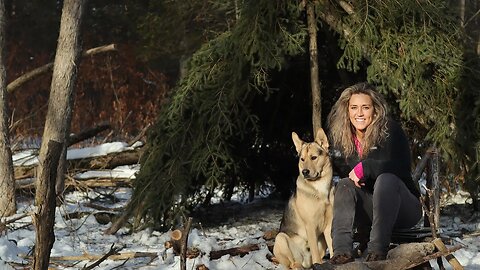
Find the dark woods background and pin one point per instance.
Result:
(223, 87)
(117, 87)
(128, 87)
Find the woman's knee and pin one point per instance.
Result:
(386, 182)
(344, 183)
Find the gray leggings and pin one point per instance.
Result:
(390, 206)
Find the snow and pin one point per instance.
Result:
(83, 234)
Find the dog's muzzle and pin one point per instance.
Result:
(307, 176)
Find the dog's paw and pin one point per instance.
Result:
(323, 266)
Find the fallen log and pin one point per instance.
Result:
(108, 161)
(26, 171)
(175, 242)
(115, 257)
(236, 251)
(87, 134)
(403, 257)
(29, 184)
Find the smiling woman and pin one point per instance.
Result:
(360, 111)
(379, 194)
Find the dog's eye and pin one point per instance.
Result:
(302, 159)
(314, 157)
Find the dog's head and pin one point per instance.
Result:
(312, 156)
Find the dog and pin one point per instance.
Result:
(305, 229)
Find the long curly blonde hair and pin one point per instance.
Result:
(342, 130)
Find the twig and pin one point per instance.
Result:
(45, 68)
(6, 222)
(139, 136)
(113, 250)
(434, 255)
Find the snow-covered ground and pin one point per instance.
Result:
(79, 231)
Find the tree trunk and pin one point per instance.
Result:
(59, 114)
(44, 217)
(314, 77)
(7, 181)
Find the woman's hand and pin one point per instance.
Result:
(355, 179)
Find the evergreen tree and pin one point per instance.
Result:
(412, 50)
(190, 151)
(415, 50)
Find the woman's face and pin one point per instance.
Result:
(360, 111)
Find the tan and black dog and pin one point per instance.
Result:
(305, 230)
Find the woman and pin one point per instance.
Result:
(379, 193)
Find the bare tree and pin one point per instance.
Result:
(59, 114)
(314, 74)
(7, 181)
(52, 155)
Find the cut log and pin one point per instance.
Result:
(175, 241)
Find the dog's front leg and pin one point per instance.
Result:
(313, 244)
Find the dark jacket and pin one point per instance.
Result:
(392, 155)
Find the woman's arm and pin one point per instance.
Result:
(393, 156)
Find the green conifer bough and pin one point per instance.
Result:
(410, 49)
(189, 150)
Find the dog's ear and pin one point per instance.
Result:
(297, 141)
(321, 138)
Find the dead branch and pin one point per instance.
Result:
(184, 244)
(12, 86)
(29, 184)
(139, 136)
(6, 222)
(422, 164)
(117, 224)
(89, 133)
(115, 257)
(113, 250)
(450, 257)
(102, 208)
(433, 256)
(404, 256)
(236, 251)
(108, 161)
(176, 239)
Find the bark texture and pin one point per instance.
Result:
(44, 217)
(59, 114)
(314, 77)
(7, 182)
